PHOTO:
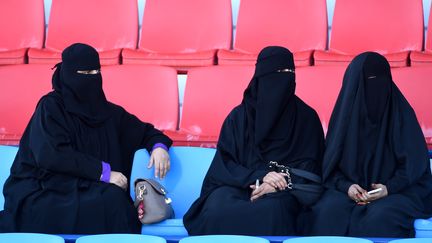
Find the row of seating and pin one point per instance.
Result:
(151, 93)
(120, 238)
(188, 168)
(191, 33)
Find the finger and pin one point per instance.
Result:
(274, 181)
(257, 191)
(156, 169)
(151, 162)
(165, 171)
(161, 165)
(168, 164)
(252, 187)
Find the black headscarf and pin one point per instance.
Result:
(374, 135)
(82, 93)
(269, 99)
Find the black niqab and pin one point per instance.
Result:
(82, 93)
(374, 136)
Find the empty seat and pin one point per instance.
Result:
(21, 88)
(30, 238)
(210, 94)
(424, 57)
(299, 25)
(7, 156)
(319, 88)
(390, 27)
(183, 183)
(120, 238)
(223, 238)
(22, 25)
(416, 86)
(107, 25)
(149, 92)
(182, 34)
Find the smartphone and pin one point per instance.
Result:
(374, 191)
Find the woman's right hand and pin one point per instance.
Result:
(356, 193)
(277, 180)
(119, 179)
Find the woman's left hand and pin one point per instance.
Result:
(378, 195)
(161, 160)
(261, 190)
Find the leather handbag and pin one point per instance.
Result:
(151, 196)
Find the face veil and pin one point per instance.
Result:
(82, 93)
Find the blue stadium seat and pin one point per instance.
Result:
(183, 183)
(423, 228)
(412, 240)
(120, 238)
(7, 156)
(332, 239)
(224, 239)
(29, 238)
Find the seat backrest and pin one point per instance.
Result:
(21, 88)
(333, 239)
(113, 238)
(319, 88)
(30, 238)
(415, 85)
(210, 94)
(148, 92)
(189, 166)
(172, 26)
(428, 45)
(7, 156)
(385, 26)
(103, 24)
(223, 238)
(283, 23)
(22, 24)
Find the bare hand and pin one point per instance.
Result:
(160, 159)
(356, 193)
(276, 180)
(118, 179)
(378, 195)
(261, 190)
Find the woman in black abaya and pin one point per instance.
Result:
(70, 175)
(374, 141)
(271, 124)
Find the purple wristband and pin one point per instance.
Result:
(106, 172)
(160, 145)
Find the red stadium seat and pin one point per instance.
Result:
(425, 57)
(107, 25)
(210, 94)
(300, 25)
(149, 92)
(319, 88)
(390, 27)
(22, 25)
(182, 34)
(21, 88)
(416, 86)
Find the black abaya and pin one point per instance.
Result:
(55, 185)
(271, 124)
(373, 137)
